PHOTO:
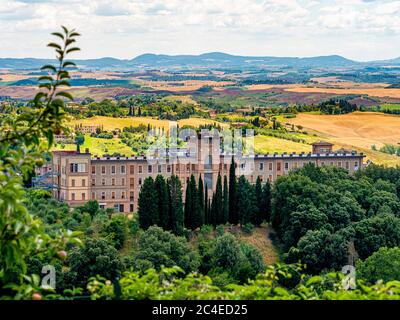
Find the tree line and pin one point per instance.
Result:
(234, 200)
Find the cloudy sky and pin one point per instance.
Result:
(356, 29)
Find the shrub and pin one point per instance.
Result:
(248, 228)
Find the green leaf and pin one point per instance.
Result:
(65, 95)
(45, 78)
(58, 34)
(54, 45)
(68, 63)
(72, 50)
(65, 29)
(49, 67)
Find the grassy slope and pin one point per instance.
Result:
(98, 146)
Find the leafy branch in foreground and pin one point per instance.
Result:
(24, 138)
(167, 284)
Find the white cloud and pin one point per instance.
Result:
(126, 28)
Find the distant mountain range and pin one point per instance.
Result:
(206, 60)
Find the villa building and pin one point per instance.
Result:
(115, 182)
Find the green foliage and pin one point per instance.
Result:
(241, 261)
(24, 139)
(148, 208)
(157, 248)
(167, 284)
(160, 187)
(175, 206)
(193, 214)
(318, 211)
(116, 229)
(248, 228)
(217, 211)
(97, 257)
(383, 264)
(233, 215)
(247, 206)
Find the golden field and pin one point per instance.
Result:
(358, 130)
(372, 92)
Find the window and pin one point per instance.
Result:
(242, 166)
(93, 195)
(93, 182)
(140, 181)
(123, 195)
(122, 169)
(77, 167)
(295, 165)
(103, 195)
(131, 169)
(113, 182)
(123, 181)
(356, 164)
(322, 163)
(168, 168)
(159, 168)
(188, 167)
(278, 166)
(261, 166)
(83, 196)
(72, 196)
(140, 169)
(208, 180)
(103, 169)
(83, 183)
(270, 166)
(113, 195)
(193, 167)
(131, 195)
(73, 183)
(112, 169)
(177, 168)
(347, 165)
(132, 182)
(331, 163)
(93, 169)
(339, 164)
(131, 207)
(149, 168)
(103, 182)
(286, 165)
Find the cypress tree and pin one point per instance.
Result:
(213, 212)
(258, 217)
(246, 201)
(209, 212)
(226, 200)
(206, 206)
(176, 220)
(193, 216)
(218, 202)
(233, 214)
(201, 200)
(188, 205)
(160, 187)
(148, 209)
(265, 209)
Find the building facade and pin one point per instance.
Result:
(115, 182)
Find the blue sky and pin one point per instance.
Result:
(356, 29)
